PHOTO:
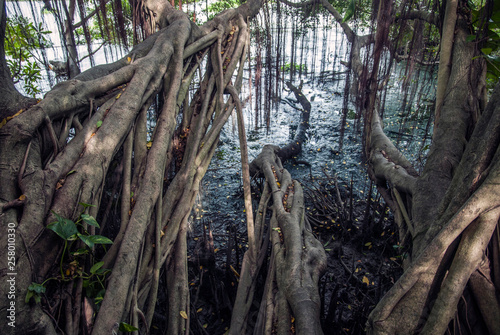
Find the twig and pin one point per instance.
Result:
(14, 203)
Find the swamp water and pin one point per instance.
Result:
(361, 265)
(220, 198)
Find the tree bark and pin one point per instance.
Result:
(449, 236)
(56, 173)
(291, 298)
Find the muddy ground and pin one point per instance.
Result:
(359, 236)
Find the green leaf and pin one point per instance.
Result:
(491, 77)
(495, 17)
(71, 172)
(29, 294)
(471, 38)
(486, 51)
(99, 123)
(126, 328)
(99, 239)
(86, 205)
(34, 291)
(89, 220)
(102, 271)
(350, 11)
(493, 36)
(37, 288)
(96, 267)
(90, 240)
(80, 252)
(101, 294)
(87, 240)
(63, 227)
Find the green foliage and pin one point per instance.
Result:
(70, 231)
(65, 228)
(297, 67)
(351, 114)
(22, 40)
(126, 328)
(490, 49)
(90, 240)
(350, 11)
(80, 34)
(35, 291)
(96, 267)
(219, 6)
(359, 10)
(89, 220)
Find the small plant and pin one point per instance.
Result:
(35, 290)
(68, 231)
(71, 232)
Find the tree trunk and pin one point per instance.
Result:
(449, 237)
(57, 177)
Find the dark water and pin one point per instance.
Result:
(323, 49)
(220, 208)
